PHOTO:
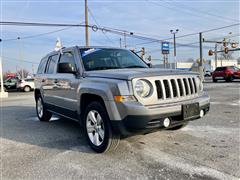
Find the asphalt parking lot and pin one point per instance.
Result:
(206, 149)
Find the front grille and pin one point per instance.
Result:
(176, 88)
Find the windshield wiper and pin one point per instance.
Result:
(105, 67)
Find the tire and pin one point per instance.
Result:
(27, 89)
(178, 127)
(98, 129)
(229, 79)
(42, 113)
(214, 80)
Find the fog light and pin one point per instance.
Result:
(201, 113)
(166, 122)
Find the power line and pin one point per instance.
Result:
(91, 14)
(201, 12)
(15, 59)
(191, 34)
(36, 35)
(111, 30)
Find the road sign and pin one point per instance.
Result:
(165, 47)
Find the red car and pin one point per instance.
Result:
(227, 73)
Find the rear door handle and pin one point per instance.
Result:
(56, 81)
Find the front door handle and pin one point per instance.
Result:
(56, 81)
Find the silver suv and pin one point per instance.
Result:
(113, 93)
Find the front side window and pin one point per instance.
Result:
(100, 59)
(67, 57)
(51, 64)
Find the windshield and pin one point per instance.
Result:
(100, 59)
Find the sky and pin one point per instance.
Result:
(150, 18)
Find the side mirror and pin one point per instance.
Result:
(149, 65)
(66, 68)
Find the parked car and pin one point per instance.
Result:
(25, 85)
(227, 73)
(208, 73)
(113, 93)
(10, 83)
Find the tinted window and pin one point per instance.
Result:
(220, 69)
(51, 64)
(99, 59)
(67, 57)
(42, 65)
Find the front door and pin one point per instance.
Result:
(66, 85)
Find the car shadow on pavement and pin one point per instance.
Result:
(20, 124)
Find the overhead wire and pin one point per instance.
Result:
(95, 20)
(195, 10)
(111, 30)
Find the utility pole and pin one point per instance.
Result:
(216, 58)
(125, 40)
(21, 56)
(120, 41)
(201, 57)
(32, 69)
(86, 24)
(174, 44)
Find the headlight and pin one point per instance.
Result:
(143, 88)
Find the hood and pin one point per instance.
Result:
(131, 73)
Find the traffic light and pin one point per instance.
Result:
(224, 42)
(226, 50)
(234, 45)
(210, 52)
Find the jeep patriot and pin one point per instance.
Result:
(113, 93)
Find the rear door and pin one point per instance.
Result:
(219, 72)
(48, 80)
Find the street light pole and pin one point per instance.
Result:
(174, 44)
(86, 24)
(201, 57)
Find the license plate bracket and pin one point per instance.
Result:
(190, 110)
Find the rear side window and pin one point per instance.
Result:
(42, 65)
(51, 64)
(220, 69)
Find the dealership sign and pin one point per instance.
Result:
(165, 47)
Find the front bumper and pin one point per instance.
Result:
(139, 118)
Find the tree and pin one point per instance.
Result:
(23, 73)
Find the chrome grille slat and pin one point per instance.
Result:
(195, 85)
(190, 85)
(163, 88)
(173, 88)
